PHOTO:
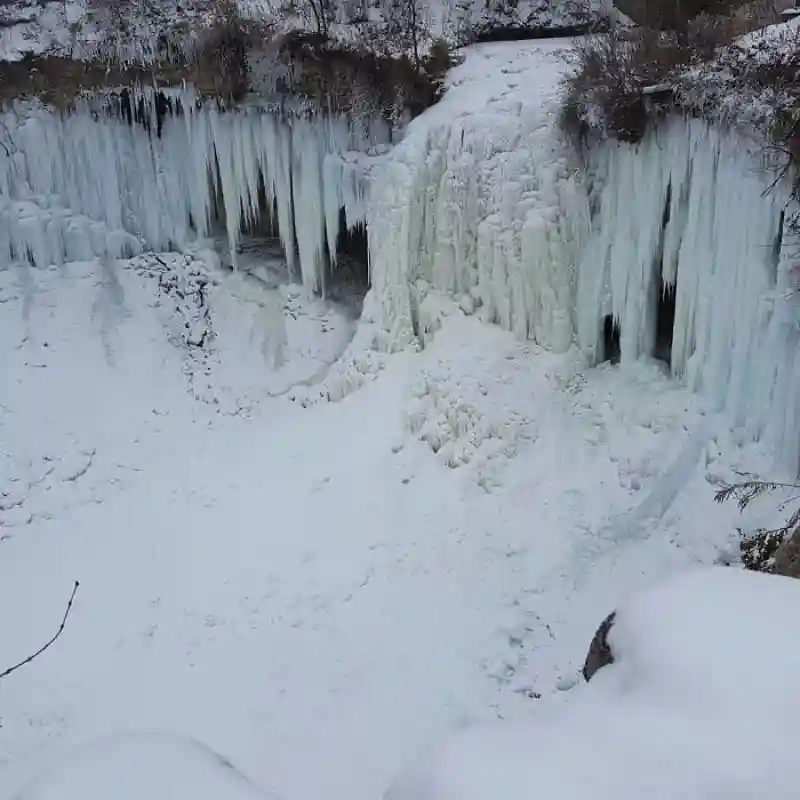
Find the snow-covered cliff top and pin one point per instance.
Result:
(751, 81)
(83, 29)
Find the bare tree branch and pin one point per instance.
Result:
(42, 649)
(5, 130)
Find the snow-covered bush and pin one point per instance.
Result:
(761, 547)
(624, 78)
(606, 92)
(356, 77)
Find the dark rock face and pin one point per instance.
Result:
(759, 550)
(599, 654)
(787, 557)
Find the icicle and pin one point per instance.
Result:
(159, 178)
(734, 334)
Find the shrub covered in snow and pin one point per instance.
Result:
(701, 60)
(606, 91)
(772, 549)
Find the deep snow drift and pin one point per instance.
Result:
(148, 765)
(701, 703)
(314, 592)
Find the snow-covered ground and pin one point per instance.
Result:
(314, 592)
(685, 711)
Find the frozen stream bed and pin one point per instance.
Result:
(311, 589)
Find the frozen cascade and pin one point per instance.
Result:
(486, 205)
(77, 185)
(689, 211)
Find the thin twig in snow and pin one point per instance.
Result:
(84, 469)
(41, 650)
(7, 132)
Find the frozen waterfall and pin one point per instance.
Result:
(687, 247)
(76, 185)
(673, 246)
(486, 207)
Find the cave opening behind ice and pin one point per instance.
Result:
(346, 272)
(611, 344)
(665, 322)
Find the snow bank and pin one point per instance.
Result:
(77, 185)
(143, 765)
(701, 703)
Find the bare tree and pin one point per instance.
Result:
(406, 26)
(318, 14)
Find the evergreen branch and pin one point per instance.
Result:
(744, 493)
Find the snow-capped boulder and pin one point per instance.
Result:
(700, 703)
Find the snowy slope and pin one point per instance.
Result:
(135, 33)
(315, 592)
(685, 712)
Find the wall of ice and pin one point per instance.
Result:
(90, 183)
(675, 246)
(691, 212)
(486, 207)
